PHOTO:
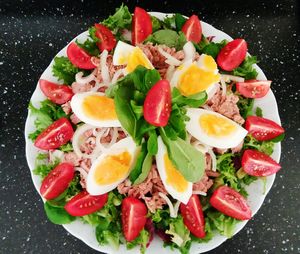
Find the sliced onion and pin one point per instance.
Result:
(213, 158)
(114, 137)
(97, 86)
(84, 80)
(189, 51)
(56, 154)
(76, 138)
(228, 78)
(202, 193)
(104, 68)
(117, 75)
(176, 208)
(170, 72)
(126, 35)
(169, 203)
(82, 172)
(170, 59)
(224, 88)
(199, 146)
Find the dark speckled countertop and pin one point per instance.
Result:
(32, 32)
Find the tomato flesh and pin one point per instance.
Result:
(141, 25)
(231, 203)
(158, 104)
(262, 129)
(134, 214)
(256, 163)
(84, 203)
(193, 216)
(253, 88)
(107, 39)
(57, 181)
(79, 57)
(232, 55)
(55, 135)
(192, 29)
(58, 94)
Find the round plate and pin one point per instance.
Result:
(86, 232)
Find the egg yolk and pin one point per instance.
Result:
(99, 107)
(136, 58)
(174, 177)
(216, 126)
(209, 63)
(113, 168)
(195, 80)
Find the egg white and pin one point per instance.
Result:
(124, 145)
(181, 196)
(76, 105)
(227, 141)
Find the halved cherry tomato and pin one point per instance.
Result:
(134, 214)
(84, 203)
(57, 134)
(141, 25)
(232, 55)
(262, 129)
(193, 216)
(107, 39)
(231, 203)
(79, 57)
(57, 181)
(59, 94)
(256, 163)
(192, 29)
(158, 104)
(253, 88)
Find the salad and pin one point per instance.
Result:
(150, 130)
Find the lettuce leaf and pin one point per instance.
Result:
(64, 70)
(246, 69)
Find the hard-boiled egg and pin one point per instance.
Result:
(214, 129)
(96, 109)
(112, 167)
(176, 185)
(130, 56)
(194, 77)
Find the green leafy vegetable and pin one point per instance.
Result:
(137, 109)
(141, 240)
(66, 148)
(180, 235)
(278, 138)
(246, 106)
(258, 112)
(187, 159)
(152, 145)
(90, 46)
(266, 147)
(44, 169)
(137, 169)
(210, 48)
(64, 70)
(179, 21)
(246, 69)
(169, 22)
(57, 215)
(176, 125)
(156, 24)
(147, 164)
(194, 101)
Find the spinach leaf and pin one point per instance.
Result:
(210, 48)
(187, 159)
(137, 169)
(147, 164)
(245, 106)
(89, 46)
(138, 110)
(176, 125)
(152, 145)
(156, 24)
(179, 21)
(142, 128)
(258, 112)
(144, 78)
(169, 22)
(64, 70)
(246, 69)
(194, 101)
(57, 215)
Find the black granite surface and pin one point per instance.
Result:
(32, 32)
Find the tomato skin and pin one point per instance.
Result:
(262, 129)
(232, 55)
(192, 29)
(55, 135)
(57, 181)
(231, 203)
(58, 94)
(134, 214)
(84, 203)
(141, 25)
(193, 216)
(253, 88)
(108, 40)
(79, 57)
(256, 163)
(158, 104)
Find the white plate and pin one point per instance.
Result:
(86, 232)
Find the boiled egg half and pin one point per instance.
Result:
(96, 109)
(214, 129)
(176, 185)
(194, 77)
(130, 56)
(112, 167)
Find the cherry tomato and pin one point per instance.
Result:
(232, 55)
(192, 29)
(253, 88)
(158, 104)
(107, 39)
(256, 163)
(141, 25)
(57, 181)
(59, 94)
(55, 135)
(134, 214)
(262, 129)
(193, 216)
(79, 57)
(231, 203)
(84, 203)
